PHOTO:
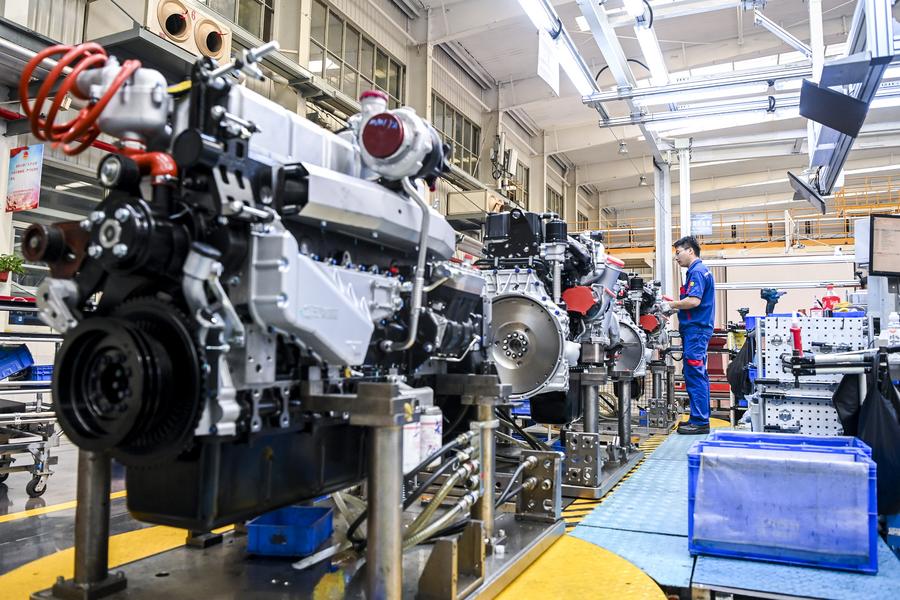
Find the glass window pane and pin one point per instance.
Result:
(349, 86)
(250, 16)
(351, 48)
(367, 59)
(335, 34)
(381, 70)
(223, 7)
(365, 85)
(319, 12)
(476, 140)
(467, 134)
(394, 81)
(458, 129)
(437, 111)
(316, 55)
(333, 70)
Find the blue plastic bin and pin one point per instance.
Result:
(789, 439)
(803, 504)
(289, 531)
(40, 373)
(13, 360)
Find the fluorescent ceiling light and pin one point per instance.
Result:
(744, 89)
(872, 170)
(635, 8)
(544, 18)
(659, 75)
(690, 125)
(582, 23)
(537, 11)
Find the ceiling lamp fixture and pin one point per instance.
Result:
(544, 18)
(623, 147)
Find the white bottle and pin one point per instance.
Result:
(432, 432)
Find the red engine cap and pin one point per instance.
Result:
(373, 94)
(383, 135)
(650, 323)
(579, 299)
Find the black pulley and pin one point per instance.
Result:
(130, 383)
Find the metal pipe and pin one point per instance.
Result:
(787, 285)
(384, 572)
(840, 371)
(590, 399)
(415, 306)
(92, 517)
(625, 413)
(557, 281)
(483, 510)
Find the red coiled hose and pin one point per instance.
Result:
(83, 129)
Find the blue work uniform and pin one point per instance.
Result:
(696, 327)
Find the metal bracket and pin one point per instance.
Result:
(455, 567)
(584, 459)
(475, 390)
(373, 405)
(544, 502)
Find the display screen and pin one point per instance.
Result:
(884, 237)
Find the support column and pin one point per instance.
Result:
(684, 174)
(537, 194)
(570, 199)
(420, 70)
(624, 406)
(385, 523)
(662, 182)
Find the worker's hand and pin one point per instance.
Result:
(667, 309)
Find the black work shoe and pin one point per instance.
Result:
(691, 429)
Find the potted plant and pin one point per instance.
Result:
(10, 263)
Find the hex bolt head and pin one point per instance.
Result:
(86, 225)
(97, 217)
(122, 214)
(94, 251)
(120, 250)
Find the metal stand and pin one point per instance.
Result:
(202, 539)
(92, 579)
(624, 423)
(382, 407)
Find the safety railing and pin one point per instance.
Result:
(858, 198)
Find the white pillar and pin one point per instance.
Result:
(684, 168)
(662, 185)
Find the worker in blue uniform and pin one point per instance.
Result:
(696, 308)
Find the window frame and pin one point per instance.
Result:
(453, 128)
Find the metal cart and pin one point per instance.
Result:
(28, 427)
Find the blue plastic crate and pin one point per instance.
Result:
(800, 505)
(789, 439)
(40, 373)
(13, 360)
(289, 531)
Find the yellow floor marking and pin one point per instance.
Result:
(49, 509)
(713, 422)
(573, 568)
(123, 548)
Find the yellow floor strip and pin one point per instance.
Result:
(123, 548)
(49, 509)
(573, 568)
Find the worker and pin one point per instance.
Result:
(696, 309)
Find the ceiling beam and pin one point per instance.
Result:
(455, 21)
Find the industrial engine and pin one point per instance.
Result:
(562, 305)
(244, 262)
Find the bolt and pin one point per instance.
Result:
(94, 251)
(122, 214)
(546, 485)
(97, 217)
(120, 250)
(86, 225)
(530, 505)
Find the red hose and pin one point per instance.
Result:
(82, 129)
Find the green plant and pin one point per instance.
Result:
(11, 263)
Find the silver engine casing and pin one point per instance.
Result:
(531, 347)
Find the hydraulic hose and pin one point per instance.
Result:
(460, 474)
(528, 462)
(461, 507)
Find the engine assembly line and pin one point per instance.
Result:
(343, 299)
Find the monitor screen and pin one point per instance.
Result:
(884, 250)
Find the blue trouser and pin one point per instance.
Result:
(695, 341)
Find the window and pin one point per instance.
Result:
(518, 192)
(582, 221)
(256, 16)
(459, 132)
(554, 201)
(350, 61)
